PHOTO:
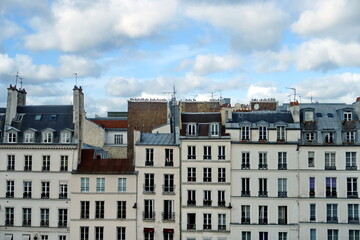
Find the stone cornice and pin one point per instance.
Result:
(38, 146)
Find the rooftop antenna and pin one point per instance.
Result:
(75, 79)
(173, 93)
(17, 76)
(294, 89)
(21, 82)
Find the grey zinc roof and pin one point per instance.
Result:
(257, 116)
(164, 139)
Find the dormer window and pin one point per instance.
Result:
(329, 137)
(262, 133)
(214, 129)
(65, 137)
(245, 133)
(191, 129)
(12, 137)
(280, 132)
(310, 136)
(29, 137)
(347, 116)
(309, 116)
(47, 136)
(349, 137)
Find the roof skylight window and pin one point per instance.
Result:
(38, 117)
(330, 115)
(318, 114)
(53, 117)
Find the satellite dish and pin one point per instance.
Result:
(256, 106)
(237, 106)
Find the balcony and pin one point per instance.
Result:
(84, 215)
(332, 219)
(330, 167)
(26, 223)
(245, 193)
(10, 195)
(149, 215)
(245, 166)
(191, 179)
(10, 168)
(149, 188)
(27, 168)
(62, 224)
(207, 226)
(46, 168)
(62, 195)
(332, 194)
(282, 194)
(282, 221)
(45, 195)
(44, 223)
(191, 202)
(263, 221)
(149, 163)
(207, 179)
(207, 202)
(222, 227)
(191, 157)
(312, 194)
(352, 194)
(263, 193)
(168, 189)
(282, 166)
(9, 222)
(27, 195)
(312, 219)
(191, 226)
(221, 157)
(353, 219)
(245, 220)
(168, 216)
(169, 163)
(263, 166)
(63, 168)
(221, 203)
(351, 167)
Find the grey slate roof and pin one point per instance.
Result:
(267, 116)
(162, 139)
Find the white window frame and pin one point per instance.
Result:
(47, 136)
(121, 184)
(85, 184)
(214, 129)
(118, 139)
(100, 184)
(12, 137)
(263, 133)
(29, 137)
(65, 137)
(245, 133)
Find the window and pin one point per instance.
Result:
(9, 216)
(263, 160)
(309, 116)
(350, 160)
(27, 189)
(100, 184)
(282, 163)
(245, 160)
(53, 117)
(280, 132)
(207, 198)
(263, 214)
(263, 236)
(121, 209)
(63, 216)
(245, 187)
(149, 210)
(191, 174)
(354, 234)
(263, 187)
(120, 233)
(64, 161)
(65, 137)
(63, 190)
(85, 209)
(99, 209)
(352, 187)
(311, 187)
(29, 137)
(121, 184)
(214, 129)
(28, 163)
(191, 152)
(312, 234)
(169, 157)
(282, 214)
(331, 187)
(207, 221)
(12, 137)
(311, 159)
(347, 116)
(282, 187)
(191, 197)
(44, 217)
(84, 233)
(62, 237)
(312, 212)
(37, 117)
(331, 213)
(45, 189)
(333, 234)
(350, 137)
(330, 161)
(353, 213)
(168, 183)
(207, 153)
(26, 217)
(99, 233)
(84, 184)
(11, 163)
(221, 152)
(282, 235)
(245, 214)
(221, 175)
(310, 136)
(168, 235)
(191, 129)
(46, 163)
(245, 235)
(262, 133)
(221, 198)
(221, 221)
(9, 189)
(118, 139)
(207, 174)
(148, 235)
(191, 221)
(245, 133)
(149, 185)
(149, 157)
(169, 213)
(47, 137)
(329, 137)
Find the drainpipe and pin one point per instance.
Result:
(135, 205)
(298, 181)
(180, 189)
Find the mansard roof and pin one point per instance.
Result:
(258, 116)
(162, 139)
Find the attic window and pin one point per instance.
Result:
(309, 116)
(330, 115)
(318, 114)
(347, 116)
(191, 129)
(38, 117)
(53, 117)
(214, 129)
(18, 117)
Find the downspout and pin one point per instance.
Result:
(298, 181)
(135, 206)
(180, 190)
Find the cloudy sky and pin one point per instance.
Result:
(142, 48)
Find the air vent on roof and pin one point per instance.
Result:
(318, 114)
(38, 117)
(330, 115)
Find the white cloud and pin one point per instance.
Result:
(330, 18)
(207, 64)
(99, 24)
(252, 25)
(84, 67)
(124, 87)
(270, 61)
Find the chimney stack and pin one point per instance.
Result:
(21, 98)
(11, 105)
(295, 111)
